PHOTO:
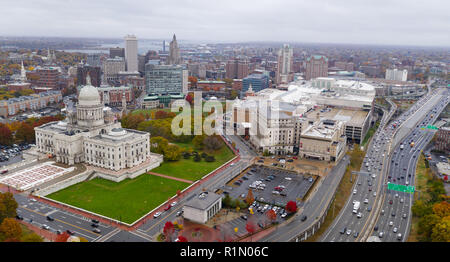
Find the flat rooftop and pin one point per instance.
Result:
(350, 117)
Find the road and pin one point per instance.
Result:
(369, 187)
(402, 171)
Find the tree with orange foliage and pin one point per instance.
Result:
(250, 198)
(442, 209)
(10, 229)
(62, 237)
(25, 133)
(271, 215)
(193, 80)
(5, 135)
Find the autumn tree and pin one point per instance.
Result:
(291, 206)
(158, 144)
(198, 141)
(271, 215)
(250, 227)
(31, 237)
(182, 239)
(168, 231)
(10, 229)
(441, 209)
(172, 152)
(5, 135)
(441, 231)
(25, 133)
(8, 206)
(250, 198)
(213, 142)
(426, 225)
(62, 237)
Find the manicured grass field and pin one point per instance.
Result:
(191, 170)
(125, 201)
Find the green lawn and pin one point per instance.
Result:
(126, 201)
(191, 170)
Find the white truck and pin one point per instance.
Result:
(401, 147)
(356, 207)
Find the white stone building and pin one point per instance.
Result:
(91, 134)
(203, 207)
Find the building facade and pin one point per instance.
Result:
(236, 69)
(91, 134)
(41, 100)
(131, 53)
(166, 79)
(443, 140)
(395, 74)
(258, 82)
(174, 52)
(285, 65)
(316, 66)
(203, 207)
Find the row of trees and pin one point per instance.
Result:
(18, 132)
(10, 229)
(432, 210)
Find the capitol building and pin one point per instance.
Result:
(92, 135)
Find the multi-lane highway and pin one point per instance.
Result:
(394, 221)
(369, 189)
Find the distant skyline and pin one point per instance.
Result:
(380, 22)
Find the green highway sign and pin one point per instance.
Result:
(401, 188)
(430, 127)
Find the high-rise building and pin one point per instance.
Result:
(93, 59)
(166, 79)
(116, 51)
(398, 75)
(111, 69)
(285, 65)
(236, 69)
(131, 53)
(94, 73)
(47, 77)
(174, 53)
(316, 66)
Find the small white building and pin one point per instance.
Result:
(203, 207)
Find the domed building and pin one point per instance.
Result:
(92, 135)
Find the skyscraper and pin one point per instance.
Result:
(174, 55)
(285, 65)
(131, 53)
(316, 66)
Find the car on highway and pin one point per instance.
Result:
(343, 230)
(399, 236)
(355, 235)
(95, 221)
(401, 200)
(354, 191)
(167, 207)
(19, 217)
(391, 223)
(366, 201)
(157, 214)
(380, 235)
(349, 231)
(173, 203)
(375, 228)
(96, 230)
(359, 215)
(49, 218)
(94, 225)
(244, 217)
(70, 232)
(44, 226)
(179, 213)
(390, 201)
(393, 214)
(303, 218)
(374, 194)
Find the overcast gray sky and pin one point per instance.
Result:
(396, 22)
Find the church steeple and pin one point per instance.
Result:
(23, 73)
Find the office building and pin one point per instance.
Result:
(94, 73)
(174, 53)
(111, 69)
(285, 65)
(131, 53)
(257, 81)
(236, 69)
(93, 60)
(395, 74)
(203, 207)
(316, 66)
(166, 79)
(117, 51)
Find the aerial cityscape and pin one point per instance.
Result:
(144, 123)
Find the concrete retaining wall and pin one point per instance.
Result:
(65, 183)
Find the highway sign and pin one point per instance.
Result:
(430, 127)
(401, 188)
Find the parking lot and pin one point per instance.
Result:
(270, 185)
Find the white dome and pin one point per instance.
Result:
(89, 96)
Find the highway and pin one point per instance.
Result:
(402, 171)
(368, 190)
